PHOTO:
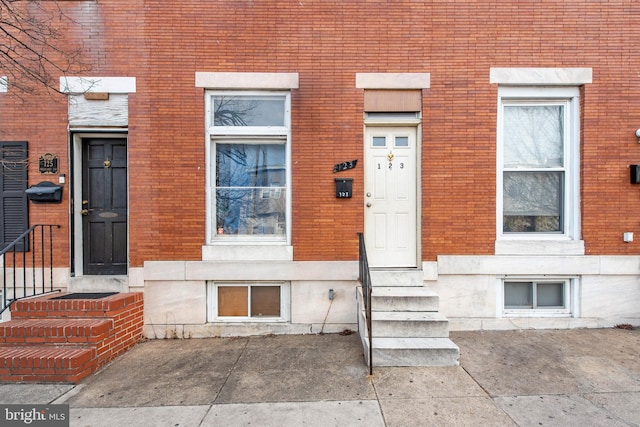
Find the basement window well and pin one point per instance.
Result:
(546, 297)
(261, 302)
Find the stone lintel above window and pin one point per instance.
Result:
(541, 76)
(247, 81)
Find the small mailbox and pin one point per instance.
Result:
(344, 188)
(45, 192)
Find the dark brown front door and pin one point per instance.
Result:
(104, 206)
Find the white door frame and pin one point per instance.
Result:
(77, 238)
(401, 120)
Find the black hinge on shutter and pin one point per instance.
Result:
(14, 217)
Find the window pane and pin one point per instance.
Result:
(265, 301)
(248, 110)
(251, 211)
(532, 201)
(379, 141)
(232, 300)
(251, 189)
(518, 295)
(550, 294)
(250, 165)
(402, 141)
(533, 136)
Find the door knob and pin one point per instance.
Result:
(84, 212)
(368, 194)
(368, 205)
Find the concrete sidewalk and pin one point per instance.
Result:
(508, 378)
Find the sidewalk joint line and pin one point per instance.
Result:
(232, 370)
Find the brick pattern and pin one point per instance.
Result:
(65, 340)
(327, 42)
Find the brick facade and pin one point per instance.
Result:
(327, 42)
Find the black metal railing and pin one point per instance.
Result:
(364, 277)
(27, 265)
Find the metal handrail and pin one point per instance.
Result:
(38, 240)
(364, 277)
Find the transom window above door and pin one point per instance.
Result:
(249, 189)
(398, 141)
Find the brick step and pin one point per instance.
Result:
(46, 363)
(55, 331)
(64, 340)
(50, 307)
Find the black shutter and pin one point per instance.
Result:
(14, 218)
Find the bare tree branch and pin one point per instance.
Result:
(33, 50)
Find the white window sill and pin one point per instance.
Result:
(534, 313)
(246, 252)
(246, 320)
(539, 247)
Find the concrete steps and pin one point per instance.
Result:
(410, 324)
(405, 298)
(415, 352)
(396, 277)
(54, 339)
(407, 328)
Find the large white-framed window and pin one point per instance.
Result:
(538, 297)
(244, 301)
(249, 162)
(538, 163)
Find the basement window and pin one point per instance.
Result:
(537, 297)
(261, 302)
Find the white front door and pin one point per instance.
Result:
(390, 226)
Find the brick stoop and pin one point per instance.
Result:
(65, 340)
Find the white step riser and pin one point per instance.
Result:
(413, 352)
(408, 329)
(430, 304)
(396, 278)
(415, 357)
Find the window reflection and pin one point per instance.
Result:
(248, 110)
(251, 189)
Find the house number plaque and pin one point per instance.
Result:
(344, 166)
(48, 163)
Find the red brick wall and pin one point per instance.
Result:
(327, 42)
